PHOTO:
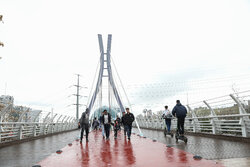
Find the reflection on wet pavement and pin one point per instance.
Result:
(120, 152)
(209, 148)
(28, 153)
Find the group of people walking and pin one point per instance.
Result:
(105, 123)
(179, 111)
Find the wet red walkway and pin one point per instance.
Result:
(138, 152)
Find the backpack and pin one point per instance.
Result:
(168, 116)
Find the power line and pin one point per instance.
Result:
(78, 96)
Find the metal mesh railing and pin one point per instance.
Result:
(225, 115)
(31, 124)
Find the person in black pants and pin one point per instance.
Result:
(167, 115)
(180, 112)
(128, 120)
(106, 121)
(84, 124)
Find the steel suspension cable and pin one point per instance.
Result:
(93, 82)
(138, 127)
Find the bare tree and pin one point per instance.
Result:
(1, 18)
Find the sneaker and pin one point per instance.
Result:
(80, 141)
(129, 138)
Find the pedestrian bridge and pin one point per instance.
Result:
(221, 139)
(217, 129)
(154, 149)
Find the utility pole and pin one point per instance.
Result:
(77, 97)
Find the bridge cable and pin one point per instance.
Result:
(92, 85)
(138, 127)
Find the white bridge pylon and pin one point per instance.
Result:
(101, 75)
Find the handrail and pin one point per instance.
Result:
(27, 123)
(220, 116)
(214, 123)
(11, 131)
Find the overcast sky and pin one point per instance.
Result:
(175, 43)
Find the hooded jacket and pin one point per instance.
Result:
(84, 118)
(179, 111)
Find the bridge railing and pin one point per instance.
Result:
(32, 124)
(236, 125)
(227, 115)
(10, 131)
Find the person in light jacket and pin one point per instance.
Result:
(167, 115)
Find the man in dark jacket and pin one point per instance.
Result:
(127, 121)
(180, 112)
(84, 124)
(106, 121)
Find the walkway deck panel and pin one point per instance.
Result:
(139, 152)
